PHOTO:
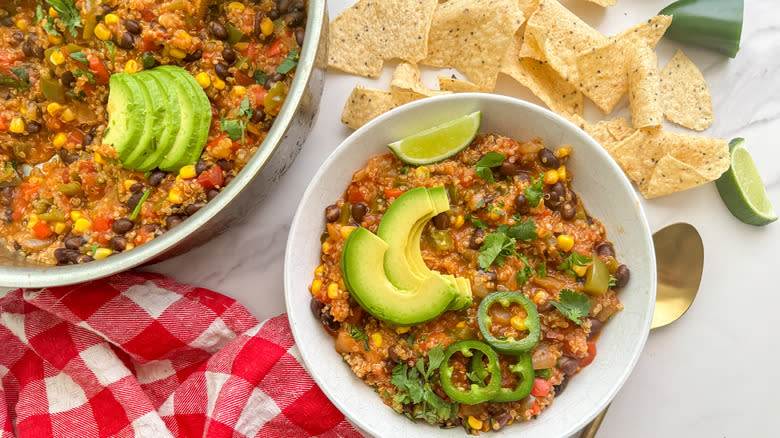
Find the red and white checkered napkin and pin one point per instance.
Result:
(140, 355)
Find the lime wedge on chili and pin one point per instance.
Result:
(439, 142)
(742, 190)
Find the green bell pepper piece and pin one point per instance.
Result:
(711, 24)
(509, 345)
(597, 277)
(475, 393)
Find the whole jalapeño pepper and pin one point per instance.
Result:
(473, 393)
(509, 345)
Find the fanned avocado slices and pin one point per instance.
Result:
(127, 115)
(155, 104)
(170, 123)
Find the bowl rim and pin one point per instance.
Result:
(300, 337)
(46, 276)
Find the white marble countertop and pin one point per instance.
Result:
(714, 372)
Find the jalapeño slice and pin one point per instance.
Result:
(471, 393)
(509, 345)
(523, 368)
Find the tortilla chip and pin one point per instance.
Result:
(602, 74)
(407, 77)
(609, 133)
(559, 95)
(620, 128)
(559, 36)
(472, 36)
(457, 85)
(644, 89)
(364, 104)
(604, 3)
(670, 176)
(371, 31)
(528, 7)
(686, 97)
(648, 32)
(638, 154)
(710, 156)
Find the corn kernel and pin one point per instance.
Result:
(203, 79)
(59, 227)
(219, 84)
(75, 215)
(459, 221)
(241, 46)
(565, 242)
(266, 26)
(111, 19)
(178, 54)
(131, 66)
(176, 196)
(540, 297)
(17, 125)
(496, 213)
(402, 330)
(53, 13)
(129, 183)
(54, 39)
(326, 247)
(551, 176)
(562, 151)
(187, 172)
(129, 246)
(316, 286)
(32, 220)
(377, 339)
(102, 32)
(56, 57)
(53, 108)
(333, 291)
(22, 24)
(475, 423)
(68, 115)
(81, 225)
(236, 7)
(518, 323)
(346, 231)
(320, 270)
(238, 91)
(580, 270)
(460, 324)
(562, 173)
(99, 158)
(182, 39)
(59, 140)
(102, 253)
(422, 172)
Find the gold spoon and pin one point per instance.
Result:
(679, 255)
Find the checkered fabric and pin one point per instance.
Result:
(140, 355)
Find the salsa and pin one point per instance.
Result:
(65, 196)
(543, 275)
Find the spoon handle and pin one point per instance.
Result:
(593, 427)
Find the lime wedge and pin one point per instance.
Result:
(742, 190)
(439, 142)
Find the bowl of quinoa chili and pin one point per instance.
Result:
(537, 212)
(73, 208)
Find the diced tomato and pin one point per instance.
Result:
(211, 178)
(102, 223)
(3, 126)
(355, 196)
(535, 409)
(251, 50)
(96, 66)
(393, 193)
(275, 49)
(259, 93)
(216, 140)
(541, 387)
(41, 230)
(75, 137)
(591, 355)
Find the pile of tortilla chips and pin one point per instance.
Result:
(558, 57)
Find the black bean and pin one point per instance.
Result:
(118, 243)
(295, 19)
(172, 221)
(316, 305)
(194, 56)
(127, 41)
(121, 226)
(477, 237)
(6, 196)
(595, 327)
(133, 201)
(222, 71)
(567, 210)
(568, 365)
(332, 213)
(258, 115)
(501, 420)
(61, 256)
(133, 27)
(605, 249)
(6, 21)
(491, 276)
(201, 167)
(218, 30)
(225, 165)
(88, 139)
(228, 54)
(441, 221)
(300, 35)
(282, 6)
(18, 36)
(561, 386)
(67, 78)
(83, 258)
(548, 159)
(554, 195)
(106, 9)
(211, 194)
(157, 177)
(227, 181)
(137, 187)
(194, 208)
(392, 355)
(31, 49)
(67, 157)
(521, 204)
(509, 169)
(276, 77)
(623, 274)
(298, 5)
(33, 127)
(274, 14)
(74, 242)
(358, 211)
(258, 21)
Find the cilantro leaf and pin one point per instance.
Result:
(572, 305)
(236, 128)
(21, 81)
(612, 281)
(79, 56)
(541, 270)
(244, 109)
(414, 387)
(495, 248)
(574, 259)
(86, 73)
(39, 15)
(522, 230)
(68, 13)
(260, 76)
(491, 159)
(535, 192)
(289, 62)
(148, 60)
(358, 335)
(478, 223)
(435, 358)
(525, 273)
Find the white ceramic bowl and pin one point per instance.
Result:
(599, 182)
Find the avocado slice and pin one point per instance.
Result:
(464, 297)
(195, 119)
(170, 122)
(363, 265)
(155, 106)
(126, 115)
(440, 202)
